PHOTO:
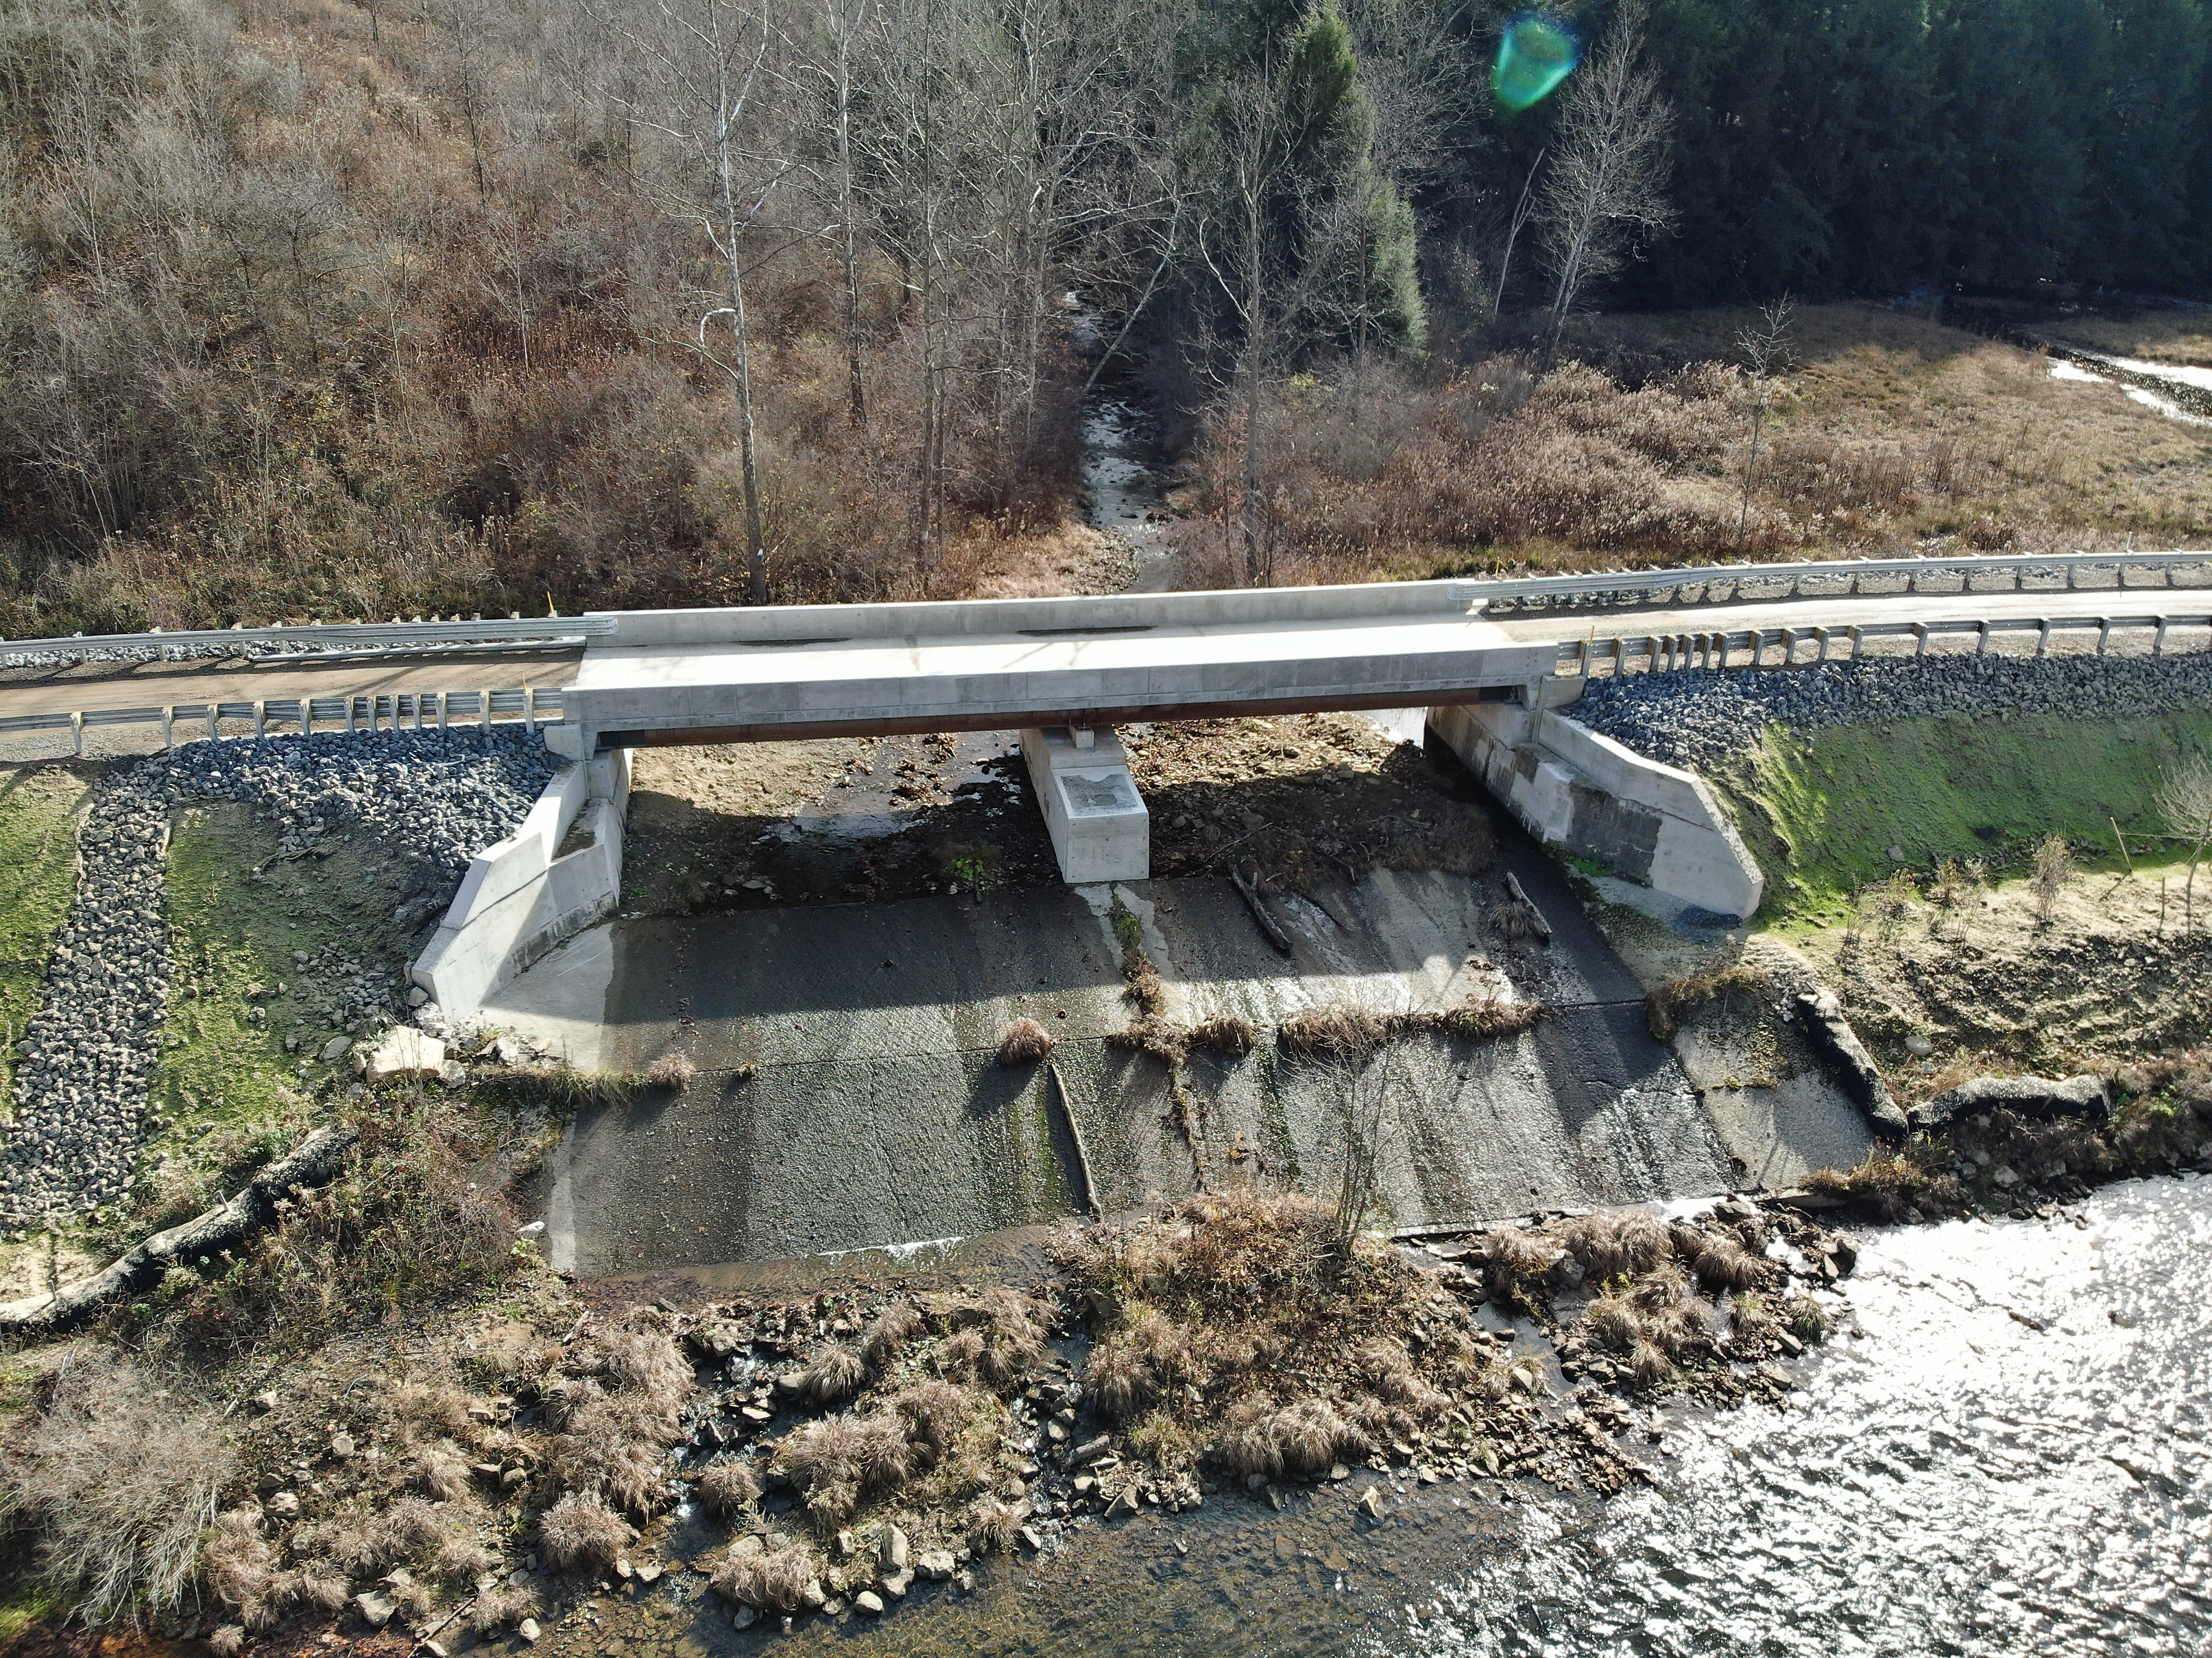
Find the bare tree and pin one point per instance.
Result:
(695, 71)
(2184, 801)
(1522, 210)
(1610, 165)
(1764, 347)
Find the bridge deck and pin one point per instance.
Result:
(631, 694)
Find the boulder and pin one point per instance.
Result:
(892, 1550)
(405, 1054)
(936, 1564)
(2084, 1095)
(1836, 1043)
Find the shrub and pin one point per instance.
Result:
(1511, 1254)
(581, 1534)
(111, 1480)
(1023, 1042)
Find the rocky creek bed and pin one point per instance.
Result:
(88, 1054)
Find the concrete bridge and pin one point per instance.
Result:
(1493, 662)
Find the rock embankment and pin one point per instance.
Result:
(1695, 719)
(88, 1054)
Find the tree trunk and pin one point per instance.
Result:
(755, 547)
(856, 397)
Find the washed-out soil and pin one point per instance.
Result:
(862, 819)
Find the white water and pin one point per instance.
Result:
(2064, 370)
(2011, 1453)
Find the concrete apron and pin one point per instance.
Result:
(874, 1112)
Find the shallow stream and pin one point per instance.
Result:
(2005, 1451)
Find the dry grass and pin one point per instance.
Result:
(1623, 1243)
(109, 1480)
(671, 1072)
(729, 1488)
(1892, 430)
(615, 1405)
(559, 1088)
(767, 1579)
(839, 1463)
(1667, 1005)
(1025, 1041)
(1225, 1033)
(897, 1325)
(992, 1523)
(837, 1374)
(1337, 1032)
(1238, 1325)
(580, 1533)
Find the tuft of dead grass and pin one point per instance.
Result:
(768, 1580)
(580, 1533)
(1667, 1005)
(1225, 1033)
(110, 1479)
(729, 1488)
(1023, 1043)
(671, 1073)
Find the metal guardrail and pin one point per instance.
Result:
(1852, 571)
(558, 631)
(1665, 653)
(316, 638)
(361, 712)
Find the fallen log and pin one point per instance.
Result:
(310, 1163)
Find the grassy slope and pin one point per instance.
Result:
(38, 877)
(1821, 812)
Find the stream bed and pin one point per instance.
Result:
(2003, 1450)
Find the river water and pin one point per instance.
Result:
(2006, 1449)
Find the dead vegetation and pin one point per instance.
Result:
(1891, 429)
(2005, 1162)
(106, 1480)
(1668, 1004)
(1024, 1042)
(1344, 1032)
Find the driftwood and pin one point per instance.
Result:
(1248, 889)
(310, 1163)
(1075, 1134)
(1543, 928)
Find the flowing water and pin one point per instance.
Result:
(2007, 1450)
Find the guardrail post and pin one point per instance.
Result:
(2158, 641)
(484, 715)
(76, 733)
(444, 700)
(1789, 648)
(261, 718)
(1920, 634)
(2043, 637)
(530, 708)
(348, 713)
(168, 728)
(2103, 632)
(1982, 644)
(212, 733)
(1821, 635)
(1858, 641)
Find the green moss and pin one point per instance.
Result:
(219, 1067)
(39, 809)
(1821, 811)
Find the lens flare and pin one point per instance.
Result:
(1535, 55)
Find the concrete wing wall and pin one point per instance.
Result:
(1589, 796)
(519, 900)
